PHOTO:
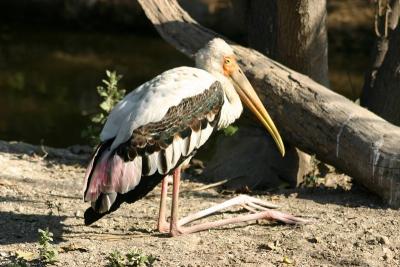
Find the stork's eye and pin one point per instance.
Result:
(228, 65)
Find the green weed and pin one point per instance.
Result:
(134, 258)
(115, 259)
(311, 178)
(47, 253)
(18, 262)
(110, 95)
(230, 130)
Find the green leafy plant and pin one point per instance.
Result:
(230, 130)
(115, 259)
(18, 262)
(311, 178)
(47, 253)
(134, 258)
(111, 95)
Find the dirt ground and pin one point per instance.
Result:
(350, 228)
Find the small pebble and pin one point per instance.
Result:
(313, 240)
(384, 240)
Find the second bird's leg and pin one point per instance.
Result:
(162, 224)
(248, 202)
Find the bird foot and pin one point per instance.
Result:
(177, 230)
(163, 227)
(250, 203)
(258, 208)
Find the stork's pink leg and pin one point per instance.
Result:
(162, 224)
(177, 227)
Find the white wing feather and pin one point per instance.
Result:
(151, 101)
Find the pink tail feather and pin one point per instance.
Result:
(111, 175)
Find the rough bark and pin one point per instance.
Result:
(381, 91)
(261, 19)
(309, 115)
(302, 37)
(291, 32)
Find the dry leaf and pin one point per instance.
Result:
(271, 246)
(287, 260)
(26, 255)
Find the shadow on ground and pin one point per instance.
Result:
(23, 228)
(357, 196)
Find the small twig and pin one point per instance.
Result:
(101, 236)
(42, 147)
(382, 10)
(201, 188)
(387, 14)
(62, 196)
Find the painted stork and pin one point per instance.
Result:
(158, 127)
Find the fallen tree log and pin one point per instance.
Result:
(308, 115)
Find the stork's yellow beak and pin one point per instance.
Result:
(253, 102)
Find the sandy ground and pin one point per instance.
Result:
(351, 228)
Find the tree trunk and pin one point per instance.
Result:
(381, 91)
(261, 19)
(307, 114)
(292, 33)
(268, 30)
(302, 38)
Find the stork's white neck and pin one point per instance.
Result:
(210, 59)
(232, 108)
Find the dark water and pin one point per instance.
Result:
(48, 79)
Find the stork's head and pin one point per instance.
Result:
(218, 58)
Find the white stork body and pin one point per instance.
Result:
(149, 104)
(160, 125)
(152, 100)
